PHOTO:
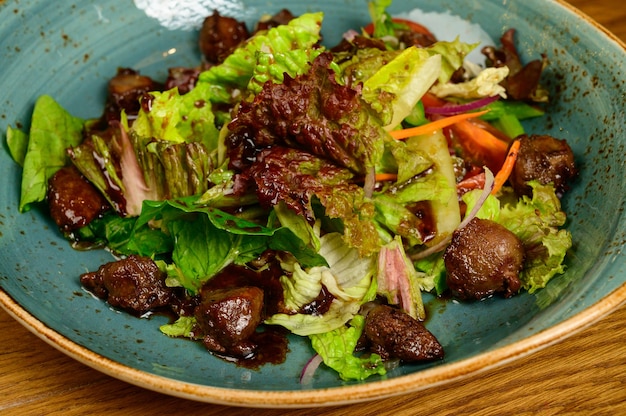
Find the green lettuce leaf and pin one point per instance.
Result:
(182, 327)
(431, 273)
(267, 56)
(490, 210)
(383, 24)
(537, 221)
(445, 206)
(168, 152)
(304, 324)
(17, 142)
(336, 348)
(207, 239)
(52, 131)
(356, 214)
(177, 118)
(394, 90)
(452, 56)
(348, 277)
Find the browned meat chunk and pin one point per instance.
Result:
(219, 35)
(395, 334)
(184, 79)
(483, 258)
(227, 318)
(545, 159)
(125, 90)
(522, 83)
(283, 17)
(135, 284)
(73, 201)
(421, 40)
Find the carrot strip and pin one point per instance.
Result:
(479, 145)
(434, 125)
(507, 167)
(383, 177)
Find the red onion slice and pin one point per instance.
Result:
(306, 376)
(451, 109)
(489, 178)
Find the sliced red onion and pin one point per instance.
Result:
(350, 35)
(306, 376)
(370, 182)
(451, 109)
(432, 249)
(489, 178)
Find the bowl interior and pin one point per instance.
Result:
(68, 50)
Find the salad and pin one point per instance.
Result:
(283, 186)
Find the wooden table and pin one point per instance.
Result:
(585, 374)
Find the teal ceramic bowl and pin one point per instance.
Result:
(68, 50)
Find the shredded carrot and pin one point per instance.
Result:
(383, 177)
(434, 125)
(478, 145)
(507, 167)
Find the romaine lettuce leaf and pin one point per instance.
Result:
(169, 151)
(346, 265)
(176, 118)
(452, 56)
(445, 207)
(537, 221)
(304, 324)
(336, 348)
(394, 90)
(346, 276)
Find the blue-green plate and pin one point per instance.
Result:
(69, 49)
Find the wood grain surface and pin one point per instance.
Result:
(583, 375)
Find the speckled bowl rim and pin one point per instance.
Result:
(420, 380)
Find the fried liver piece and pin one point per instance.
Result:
(545, 159)
(73, 201)
(124, 92)
(134, 284)
(395, 334)
(283, 17)
(219, 36)
(227, 318)
(482, 259)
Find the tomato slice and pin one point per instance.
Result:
(413, 27)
